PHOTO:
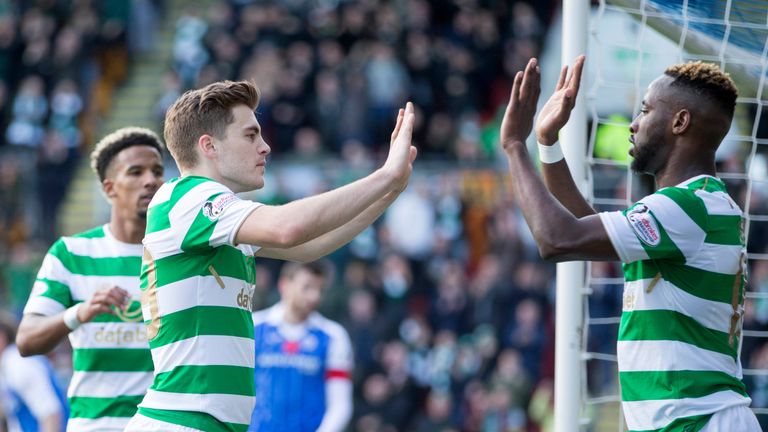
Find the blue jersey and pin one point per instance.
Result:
(29, 391)
(293, 363)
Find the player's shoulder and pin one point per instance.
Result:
(95, 232)
(328, 326)
(270, 315)
(63, 245)
(195, 188)
(699, 197)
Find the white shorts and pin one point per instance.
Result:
(734, 419)
(140, 423)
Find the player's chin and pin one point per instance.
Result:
(257, 183)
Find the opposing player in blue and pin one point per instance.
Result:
(30, 396)
(303, 360)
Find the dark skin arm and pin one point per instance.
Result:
(39, 334)
(559, 234)
(552, 117)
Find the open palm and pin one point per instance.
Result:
(556, 112)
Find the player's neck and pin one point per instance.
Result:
(127, 230)
(677, 172)
(293, 317)
(208, 171)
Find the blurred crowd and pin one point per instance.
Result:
(60, 61)
(335, 71)
(449, 307)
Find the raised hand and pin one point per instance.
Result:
(401, 151)
(518, 118)
(101, 302)
(556, 112)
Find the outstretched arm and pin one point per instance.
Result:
(552, 117)
(329, 242)
(559, 235)
(300, 221)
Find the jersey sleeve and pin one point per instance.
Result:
(51, 293)
(667, 225)
(340, 362)
(209, 216)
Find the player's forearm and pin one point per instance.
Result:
(306, 219)
(558, 179)
(331, 241)
(39, 334)
(545, 216)
(338, 411)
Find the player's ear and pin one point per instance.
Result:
(282, 283)
(681, 122)
(108, 186)
(206, 146)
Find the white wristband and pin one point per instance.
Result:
(70, 317)
(550, 154)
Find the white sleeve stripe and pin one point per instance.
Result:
(53, 269)
(239, 223)
(338, 412)
(44, 306)
(244, 208)
(622, 238)
(681, 229)
(340, 349)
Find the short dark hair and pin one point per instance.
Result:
(705, 79)
(119, 140)
(317, 268)
(204, 111)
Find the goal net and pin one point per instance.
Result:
(630, 43)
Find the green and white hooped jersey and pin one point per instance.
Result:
(679, 339)
(111, 360)
(196, 300)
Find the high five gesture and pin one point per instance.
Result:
(556, 112)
